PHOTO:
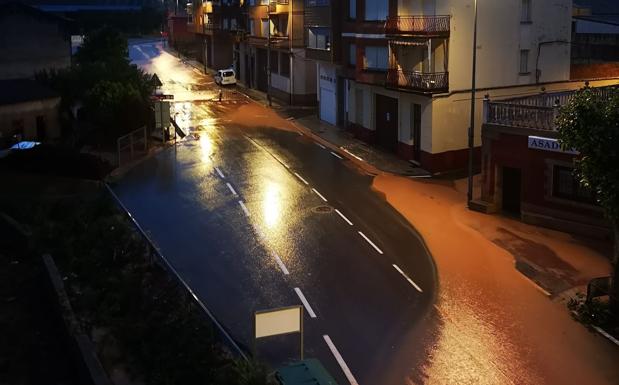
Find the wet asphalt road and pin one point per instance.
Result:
(255, 218)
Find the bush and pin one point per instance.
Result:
(161, 334)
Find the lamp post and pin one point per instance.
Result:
(269, 52)
(472, 123)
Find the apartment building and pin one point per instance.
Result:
(256, 37)
(216, 25)
(401, 75)
(277, 26)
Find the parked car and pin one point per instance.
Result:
(224, 77)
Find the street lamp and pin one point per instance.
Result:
(472, 124)
(269, 52)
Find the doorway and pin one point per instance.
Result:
(511, 188)
(261, 62)
(387, 122)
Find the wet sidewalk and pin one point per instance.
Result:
(306, 119)
(500, 325)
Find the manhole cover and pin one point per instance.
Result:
(322, 209)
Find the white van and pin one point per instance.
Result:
(224, 77)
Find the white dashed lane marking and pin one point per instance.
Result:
(336, 155)
(343, 217)
(340, 360)
(309, 309)
(370, 242)
(281, 264)
(407, 278)
(221, 174)
(244, 208)
(301, 178)
(231, 189)
(319, 194)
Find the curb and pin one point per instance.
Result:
(599, 330)
(90, 370)
(606, 335)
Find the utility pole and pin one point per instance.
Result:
(269, 52)
(472, 124)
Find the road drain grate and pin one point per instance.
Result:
(324, 209)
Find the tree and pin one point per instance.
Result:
(589, 123)
(114, 94)
(104, 45)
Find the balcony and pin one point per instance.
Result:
(426, 26)
(418, 81)
(278, 6)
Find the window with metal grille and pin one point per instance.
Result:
(566, 186)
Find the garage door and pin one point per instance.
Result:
(327, 105)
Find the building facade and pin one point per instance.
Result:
(263, 40)
(32, 40)
(407, 67)
(526, 173)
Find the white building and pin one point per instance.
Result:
(407, 68)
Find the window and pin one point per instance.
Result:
(274, 62)
(252, 27)
(524, 61)
(226, 23)
(375, 58)
(352, 55)
(284, 68)
(565, 186)
(376, 10)
(319, 38)
(264, 30)
(352, 9)
(415, 121)
(526, 11)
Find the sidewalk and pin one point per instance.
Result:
(306, 119)
(488, 307)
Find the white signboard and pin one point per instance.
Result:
(279, 321)
(547, 144)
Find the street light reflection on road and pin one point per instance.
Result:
(271, 205)
(206, 148)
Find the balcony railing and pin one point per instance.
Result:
(536, 112)
(521, 115)
(419, 81)
(437, 25)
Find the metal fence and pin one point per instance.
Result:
(132, 146)
(520, 115)
(189, 295)
(535, 112)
